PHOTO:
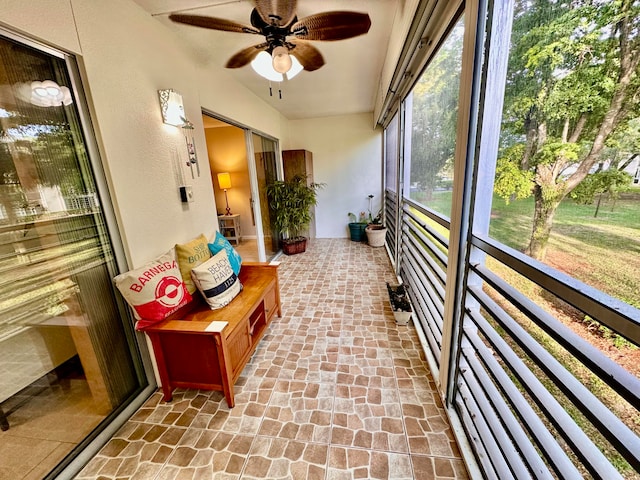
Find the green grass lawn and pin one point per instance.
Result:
(602, 251)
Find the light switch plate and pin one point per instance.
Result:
(186, 193)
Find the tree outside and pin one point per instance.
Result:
(572, 97)
(433, 125)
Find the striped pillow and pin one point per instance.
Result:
(216, 280)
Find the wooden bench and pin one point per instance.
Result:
(207, 349)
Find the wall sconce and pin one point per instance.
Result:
(224, 181)
(172, 110)
(171, 107)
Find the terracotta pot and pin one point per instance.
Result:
(376, 235)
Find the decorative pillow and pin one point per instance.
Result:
(191, 255)
(217, 281)
(221, 243)
(154, 291)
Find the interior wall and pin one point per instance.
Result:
(228, 153)
(347, 156)
(126, 57)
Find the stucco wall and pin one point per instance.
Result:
(125, 57)
(346, 156)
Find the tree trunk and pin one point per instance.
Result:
(546, 204)
(595, 215)
(531, 127)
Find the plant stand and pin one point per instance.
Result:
(400, 304)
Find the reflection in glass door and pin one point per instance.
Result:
(265, 154)
(68, 358)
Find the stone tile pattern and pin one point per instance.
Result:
(334, 391)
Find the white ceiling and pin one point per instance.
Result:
(348, 81)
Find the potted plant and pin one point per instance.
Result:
(290, 202)
(376, 231)
(357, 227)
(400, 303)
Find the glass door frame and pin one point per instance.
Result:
(253, 180)
(91, 445)
(253, 175)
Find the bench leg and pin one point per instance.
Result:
(167, 393)
(4, 423)
(225, 369)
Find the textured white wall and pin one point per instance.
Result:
(347, 156)
(126, 56)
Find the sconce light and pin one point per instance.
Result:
(224, 181)
(172, 107)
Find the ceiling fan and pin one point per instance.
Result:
(285, 35)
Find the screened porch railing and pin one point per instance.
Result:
(520, 375)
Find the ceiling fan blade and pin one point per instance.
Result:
(282, 12)
(332, 26)
(243, 57)
(212, 23)
(308, 56)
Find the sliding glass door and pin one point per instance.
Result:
(68, 356)
(266, 171)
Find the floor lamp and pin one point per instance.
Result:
(224, 181)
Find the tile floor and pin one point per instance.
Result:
(47, 421)
(334, 391)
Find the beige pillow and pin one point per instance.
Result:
(190, 255)
(217, 281)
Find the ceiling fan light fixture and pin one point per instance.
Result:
(281, 59)
(262, 65)
(296, 68)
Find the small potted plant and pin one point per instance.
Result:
(376, 232)
(357, 227)
(400, 303)
(290, 202)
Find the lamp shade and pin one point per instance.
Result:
(224, 180)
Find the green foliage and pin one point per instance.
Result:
(434, 114)
(609, 182)
(565, 69)
(511, 182)
(291, 202)
(552, 152)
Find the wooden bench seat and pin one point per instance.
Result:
(207, 349)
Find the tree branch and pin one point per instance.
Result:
(582, 121)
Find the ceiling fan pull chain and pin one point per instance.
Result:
(270, 90)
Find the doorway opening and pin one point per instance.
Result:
(242, 163)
